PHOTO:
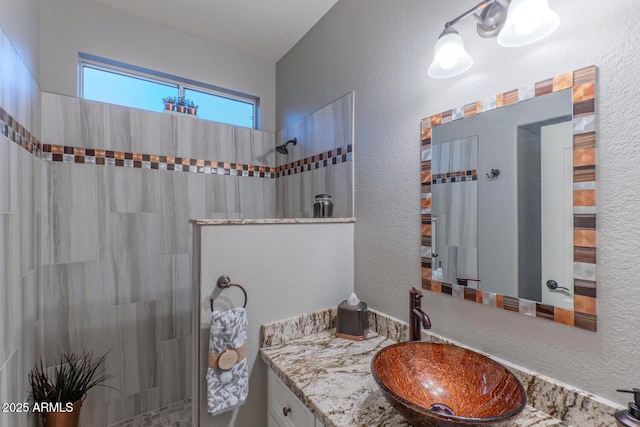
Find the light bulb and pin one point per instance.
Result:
(527, 22)
(450, 58)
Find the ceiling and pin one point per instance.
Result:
(266, 29)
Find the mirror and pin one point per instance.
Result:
(508, 200)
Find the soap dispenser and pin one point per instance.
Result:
(631, 417)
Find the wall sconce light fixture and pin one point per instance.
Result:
(514, 23)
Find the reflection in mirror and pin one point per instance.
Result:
(508, 206)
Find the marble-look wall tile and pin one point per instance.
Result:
(223, 193)
(174, 299)
(29, 319)
(117, 128)
(93, 128)
(130, 190)
(218, 140)
(174, 213)
(254, 147)
(12, 389)
(61, 120)
(73, 309)
(328, 128)
(175, 370)
(74, 203)
(28, 167)
(152, 133)
(134, 244)
(10, 290)
(132, 336)
(9, 175)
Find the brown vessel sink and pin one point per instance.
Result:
(444, 385)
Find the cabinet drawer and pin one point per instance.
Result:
(284, 407)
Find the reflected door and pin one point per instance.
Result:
(557, 213)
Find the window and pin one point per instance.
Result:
(117, 83)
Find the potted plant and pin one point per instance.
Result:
(169, 102)
(192, 108)
(181, 103)
(58, 392)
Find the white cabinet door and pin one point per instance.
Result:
(285, 409)
(319, 423)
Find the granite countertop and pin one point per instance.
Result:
(332, 377)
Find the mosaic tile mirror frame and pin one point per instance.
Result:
(582, 84)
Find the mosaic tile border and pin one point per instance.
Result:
(17, 133)
(459, 176)
(582, 84)
(13, 130)
(332, 157)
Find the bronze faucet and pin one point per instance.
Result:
(416, 315)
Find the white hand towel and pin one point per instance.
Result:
(227, 389)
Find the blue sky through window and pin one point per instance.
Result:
(120, 89)
(220, 109)
(130, 91)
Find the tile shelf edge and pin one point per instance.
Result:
(272, 221)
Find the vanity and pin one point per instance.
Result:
(329, 379)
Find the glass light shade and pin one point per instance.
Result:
(527, 22)
(450, 57)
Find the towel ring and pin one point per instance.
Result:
(223, 283)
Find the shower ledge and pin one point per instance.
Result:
(271, 221)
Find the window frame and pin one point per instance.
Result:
(109, 65)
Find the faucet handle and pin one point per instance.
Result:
(415, 293)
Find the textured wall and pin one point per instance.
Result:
(72, 26)
(19, 216)
(382, 50)
(286, 269)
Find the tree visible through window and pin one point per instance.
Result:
(114, 84)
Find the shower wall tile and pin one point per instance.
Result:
(9, 175)
(175, 370)
(130, 190)
(152, 133)
(117, 127)
(93, 132)
(61, 120)
(217, 139)
(174, 213)
(132, 335)
(75, 205)
(253, 147)
(328, 128)
(73, 302)
(174, 300)
(12, 389)
(223, 194)
(29, 319)
(133, 242)
(28, 167)
(10, 291)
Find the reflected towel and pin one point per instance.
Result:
(227, 389)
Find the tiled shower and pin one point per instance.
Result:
(95, 203)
